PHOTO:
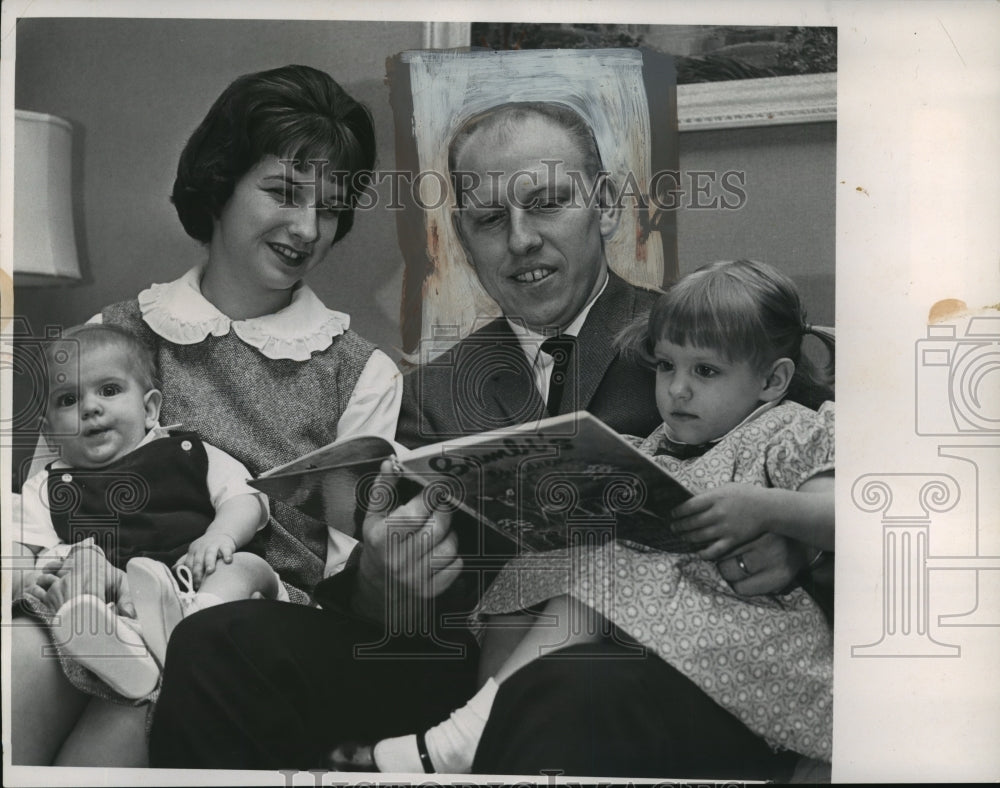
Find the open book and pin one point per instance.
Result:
(544, 484)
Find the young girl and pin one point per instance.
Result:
(149, 495)
(249, 357)
(733, 388)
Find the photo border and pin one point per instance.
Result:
(918, 121)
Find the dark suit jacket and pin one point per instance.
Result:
(484, 381)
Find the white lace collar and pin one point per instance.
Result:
(179, 313)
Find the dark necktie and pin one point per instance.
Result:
(561, 350)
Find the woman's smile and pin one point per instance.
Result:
(290, 255)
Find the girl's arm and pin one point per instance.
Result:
(731, 515)
(819, 531)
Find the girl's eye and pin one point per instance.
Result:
(66, 400)
(664, 366)
(110, 390)
(705, 371)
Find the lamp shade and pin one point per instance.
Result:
(44, 241)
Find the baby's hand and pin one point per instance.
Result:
(723, 518)
(205, 551)
(125, 606)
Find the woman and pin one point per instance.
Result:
(249, 358)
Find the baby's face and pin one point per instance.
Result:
(97, 411)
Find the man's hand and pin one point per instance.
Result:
(410, 553)
(767, 565)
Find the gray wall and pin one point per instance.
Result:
(789, 219)
(134, 90)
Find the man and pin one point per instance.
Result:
(261, 685)
(535, 238)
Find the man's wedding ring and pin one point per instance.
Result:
(742, 565)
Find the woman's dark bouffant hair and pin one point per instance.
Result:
(293, 112)
(744, 310)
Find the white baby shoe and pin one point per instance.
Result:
(160, 603)
(91, 633)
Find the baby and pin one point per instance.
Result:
(154, 498)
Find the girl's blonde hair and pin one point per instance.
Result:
(745, 310)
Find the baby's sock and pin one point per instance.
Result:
(201, 600)
(451, 745)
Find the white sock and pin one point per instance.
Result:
(451, 744)
(398, 754)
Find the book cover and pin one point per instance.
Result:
(544, 485)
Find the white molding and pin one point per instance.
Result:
(732, 104)
(772, 101)
(447, 35)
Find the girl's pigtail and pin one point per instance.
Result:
(829, 340)
(633, 341)
(812, 386)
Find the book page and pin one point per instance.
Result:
(562, 481)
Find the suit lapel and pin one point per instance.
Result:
(508, 386)
(503, 382)
(596, 346)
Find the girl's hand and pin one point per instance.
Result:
(205, 551)
(724, 518)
